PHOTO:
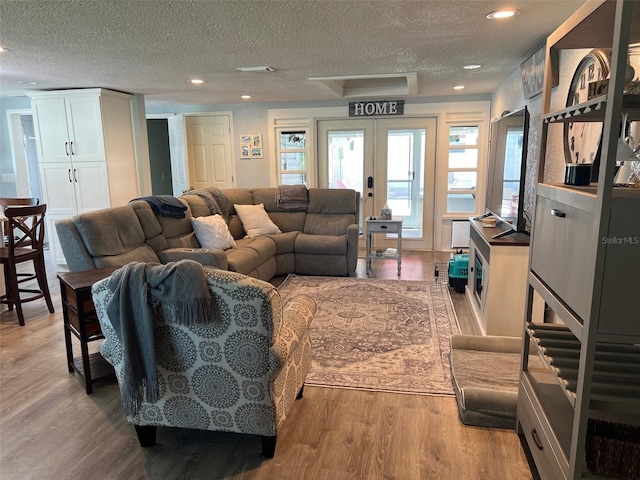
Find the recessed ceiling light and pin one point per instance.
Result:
(263, 68)
(471, 67)
(458, 87)
(197, 81)
(26, 82)
(497, 14)
(2, 49)
(246, 97)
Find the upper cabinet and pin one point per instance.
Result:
(69, 128)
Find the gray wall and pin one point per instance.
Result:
(509, 96)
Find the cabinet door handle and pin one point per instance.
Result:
(557, 213)
(69, 175)
(71, 145)
(66, 148)
(75, 175)
(536, 439)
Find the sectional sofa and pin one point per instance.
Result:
(319, 237)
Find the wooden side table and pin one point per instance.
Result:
(80, 319)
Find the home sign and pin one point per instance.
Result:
(382, 108)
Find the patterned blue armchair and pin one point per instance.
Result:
(240, 372)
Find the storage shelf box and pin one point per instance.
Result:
(459, 271)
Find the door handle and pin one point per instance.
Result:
(71, 148)
(69, 175)
(369, 182)
(75, 175)
(557, 213)
(66, 148)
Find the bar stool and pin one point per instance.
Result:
(27, 245)
(17, 201)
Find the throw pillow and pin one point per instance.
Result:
(213, 232)
(255, 220)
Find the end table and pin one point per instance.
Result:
(80, 319)
(375, 225)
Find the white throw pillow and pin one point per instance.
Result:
(255, 220)
(213, 232)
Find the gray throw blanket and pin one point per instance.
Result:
(215, 200)
(165, 205)
(292, 197)
(141, 293)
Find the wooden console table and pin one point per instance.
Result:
(80, 320)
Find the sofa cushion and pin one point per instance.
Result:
(328, 224)
(212, 232)
(110, 231)
(285, 242)
(255, 220)
(250, 253)
(321, 244)
(329, 201)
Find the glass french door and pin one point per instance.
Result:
(389, 161)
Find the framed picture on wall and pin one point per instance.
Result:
(532, 72)
(251, 146)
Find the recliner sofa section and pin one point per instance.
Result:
(319, 239)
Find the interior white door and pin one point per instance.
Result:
(179, 169)
(209, 151)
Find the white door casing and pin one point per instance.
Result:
(209, 151)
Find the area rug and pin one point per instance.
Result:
(380, 335)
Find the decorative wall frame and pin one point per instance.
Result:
(251, 146)
(532, 72)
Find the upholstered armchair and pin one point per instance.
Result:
(240, 371)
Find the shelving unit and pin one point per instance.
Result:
(585, 264)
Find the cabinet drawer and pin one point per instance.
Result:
(384, 227)
(563, 252)
(539, 444)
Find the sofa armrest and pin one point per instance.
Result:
(297, 314)
(207, 257)
(353, 233)
(75, 251)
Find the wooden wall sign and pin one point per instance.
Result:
(381, 108)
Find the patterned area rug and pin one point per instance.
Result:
(381, 335)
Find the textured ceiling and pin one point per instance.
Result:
(155, 47)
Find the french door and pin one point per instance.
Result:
(389, 161)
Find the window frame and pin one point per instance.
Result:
(477, 169)
(306, 151)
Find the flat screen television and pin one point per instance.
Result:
(507, 169)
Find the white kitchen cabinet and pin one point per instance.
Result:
(86, 153)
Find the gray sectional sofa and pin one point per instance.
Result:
(319, 238)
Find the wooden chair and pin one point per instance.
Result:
(28, 245)
(19, 201)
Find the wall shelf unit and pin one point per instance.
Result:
(584, 263)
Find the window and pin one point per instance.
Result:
(462, 169)
(293, 162)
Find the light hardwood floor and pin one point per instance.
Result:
(50, 429)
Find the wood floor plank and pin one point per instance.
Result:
(50, 429)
